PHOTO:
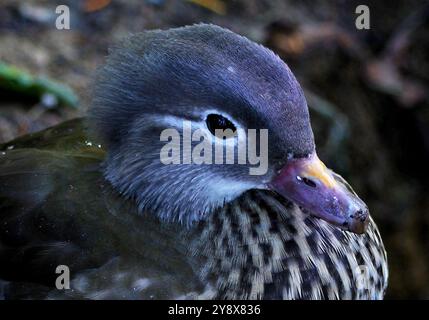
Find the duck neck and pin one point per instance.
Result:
(244, 244)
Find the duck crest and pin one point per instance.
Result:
(261, 246)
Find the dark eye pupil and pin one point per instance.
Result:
(216, 121)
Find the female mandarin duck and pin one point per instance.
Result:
(93, 194)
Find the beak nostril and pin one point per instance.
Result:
(360, 215)
(307, 181)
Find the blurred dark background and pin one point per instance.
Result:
(367, 89)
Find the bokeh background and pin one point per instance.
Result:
(367, 89)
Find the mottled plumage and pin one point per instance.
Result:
(92, 194)
(287, 254)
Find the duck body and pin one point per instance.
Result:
(56, 208)
(95, 195)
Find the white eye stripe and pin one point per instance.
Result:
(171, 121)
(176, 122)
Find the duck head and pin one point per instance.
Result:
(204, 77)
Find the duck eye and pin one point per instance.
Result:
(216, 121)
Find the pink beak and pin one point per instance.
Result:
(308, 183)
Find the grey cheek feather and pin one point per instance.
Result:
(182, 193)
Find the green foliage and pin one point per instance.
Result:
(18, 81)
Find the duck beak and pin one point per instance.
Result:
(324, 194)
